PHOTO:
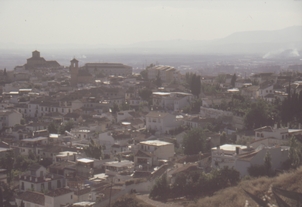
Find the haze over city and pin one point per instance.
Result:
(121, 103)
(128, 22)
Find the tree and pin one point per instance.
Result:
(144, 74)
(124, 106)
(129, 200)
(93, 150)
(268, 163)
(295, 152)
(1, 197)
(52, 128)
(194, 107)
(66, 127)
(145, 94)
(194, 142)
(179, 185)
(115, 108)
(257, 170)
(257, 115)
(7, 193)
(161, 189)
(223, 138)
(195, 85)
(233, 80)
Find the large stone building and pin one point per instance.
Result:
(166, 73)
(36, 62)
(87, 73)
(108, 69)
(79, 75)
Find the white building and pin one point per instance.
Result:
(55, 198)
(59, 197)
(122, 115)
(174, 101)
(9, 118)
(153, 152)
(166, 73)
(265, 89)
(161, 122)
(38, 180)
(226, 155)
(108, 69)
(106, 140)
(213, 113)
(278, 156)
(268, 131)
(32, 145)
(121, 170)
(40, 108)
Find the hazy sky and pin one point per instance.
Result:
(124, 22)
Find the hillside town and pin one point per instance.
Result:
(87, 134)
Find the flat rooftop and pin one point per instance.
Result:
(34, 139)
(230, 147)
(155, 143)
(85, 160)
(122, 163)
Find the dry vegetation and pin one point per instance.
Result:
(235, 196)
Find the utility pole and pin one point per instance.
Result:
(110, 194)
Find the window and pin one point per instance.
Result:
(22, 186)
(70, 196)
(58, 183)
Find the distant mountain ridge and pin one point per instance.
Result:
(289, 34)
(261, 42)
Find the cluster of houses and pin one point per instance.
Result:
(138, 141)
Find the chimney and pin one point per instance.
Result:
(29, 178)
(237, 150)
(36, 179)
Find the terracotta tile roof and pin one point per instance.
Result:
(34, 167)
(264, 129)
(82, 191)
(32, 197)
(141, 153)
(266, 84)
(58, 192)
(106, 65)
(34, 179)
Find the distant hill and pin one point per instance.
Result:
(235, 196)
(287, 35)
(245, 42)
